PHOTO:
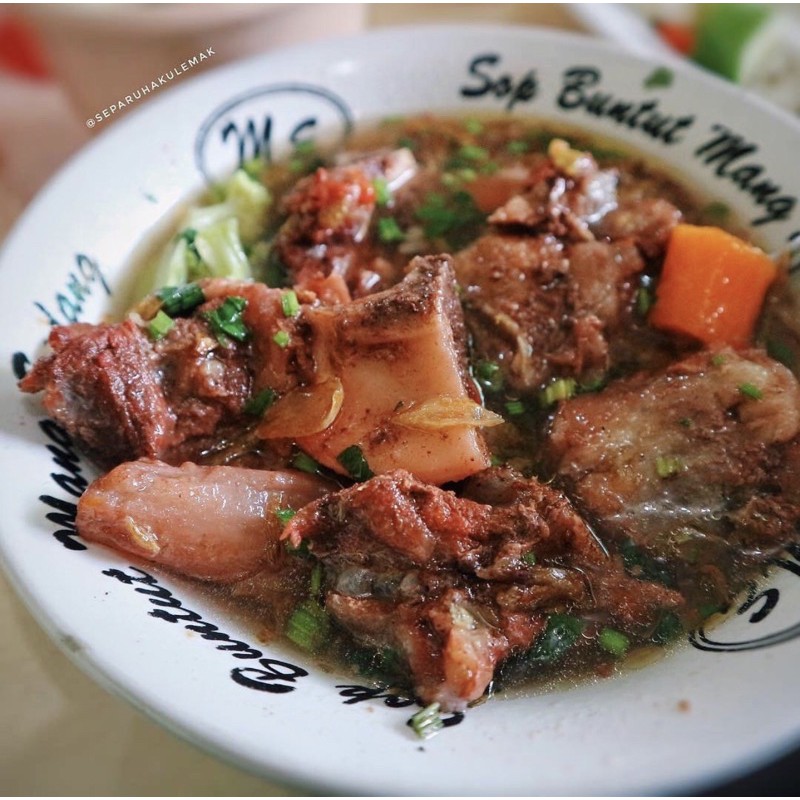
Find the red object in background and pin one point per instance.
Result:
(678, 35)
(20, 51)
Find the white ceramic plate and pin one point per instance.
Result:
(703, 713)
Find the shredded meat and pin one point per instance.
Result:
(544, 309)
(448, 580)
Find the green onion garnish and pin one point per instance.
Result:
(473, 126)
(352, 459)
(669, 627)
(517, 147)
(515, 408)
(160, 325)
(259, 403)
(285, 515)
(226, 320)
(383, 194)
(289, 303)
(644, 301)
(281, 338)
(614, 642)
(781, 351)
(473, 152)
(305, 463)
(562, 632)
(751, 390)
(718, 359)
(315, 584)
(177, 300)
(529, 558)
(559, 389)
(309, 625)
(389, 231)
(489, 376)
(456, 218)
(667, 466)
(427, 721)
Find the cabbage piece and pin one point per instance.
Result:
(213, 239)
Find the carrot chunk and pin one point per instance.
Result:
(712, 286)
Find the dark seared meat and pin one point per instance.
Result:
(449, 581)
(123, 395)
(328, 217)
(102, 385)
(699, 454)
(542, 308)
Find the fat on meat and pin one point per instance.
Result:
(392, 351)
(706, 445)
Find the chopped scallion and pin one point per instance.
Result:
(473, 126)
(226, 320)
(259, 403)
(529, 558)
(514, 408)
(352, 459)
(517, 147)
(751, 390)
(289, 303)
(667, 466)
(177, 300)
(781, 351)
(473, 152)
(305, 463)
(281, 338)
(427, 721)
(383, 194)
(389, 231)
(309, 626)
(285, 515)
(644, 301)
(315, 584)
(559, 389)
(614, 642)
(489, 376)
(160, 325)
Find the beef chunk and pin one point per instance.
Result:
(544, 309)
(328, 217)
(456, 584)
(694, 454)
(124, 395)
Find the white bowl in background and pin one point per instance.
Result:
(701, 714)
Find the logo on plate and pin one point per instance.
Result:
(267, 123)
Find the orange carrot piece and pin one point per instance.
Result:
(712, 286)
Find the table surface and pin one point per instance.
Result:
(69, 736)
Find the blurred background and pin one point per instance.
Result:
(63, 64)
